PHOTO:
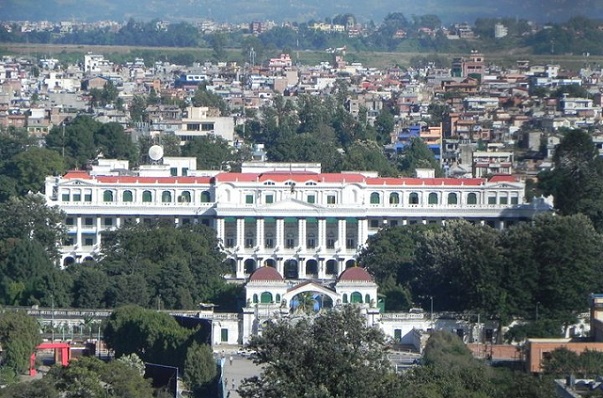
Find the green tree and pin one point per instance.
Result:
(459, 266)
(199, 368)
(212, 152)
(151, 250)
(93, 378)
(575, 182)
(19, 336)
(31, 167)
(112, 141)
(418, 155)
(368, 155)
(204, 97)
(384, 124)
(153, 336)
(332, 355)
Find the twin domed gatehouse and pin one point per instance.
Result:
(269, 296)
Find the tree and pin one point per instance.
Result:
(112, 141)
(199, 367)
(151, 250)
(332, 355)
(576, 182)
(28, 218)
(31, 167)
(569, 262)
(19, 336)
(91, 377)
(368, 155)
(384, 124)
(418, 155)
(153, 336)
(459, 266)
(212, 152)
(203, 97)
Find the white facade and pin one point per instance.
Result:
(198, 122)
(304, 223)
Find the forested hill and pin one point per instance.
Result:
(293, 10)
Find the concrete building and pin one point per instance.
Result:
(305, 223)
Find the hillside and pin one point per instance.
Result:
(295, 10)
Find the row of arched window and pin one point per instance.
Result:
(266, 298)
(433, 198)
(147, 196)
(355, 298)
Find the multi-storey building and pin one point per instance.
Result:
(304, 223)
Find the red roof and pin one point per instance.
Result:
(152, 180)
(503, 178)
(78, 174)
(266, 274)
(355, 274)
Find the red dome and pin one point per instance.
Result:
(355, 274)
(267, 274)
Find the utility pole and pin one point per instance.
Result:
(431, 313)
(52, 316)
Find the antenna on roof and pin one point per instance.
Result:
(155, 154)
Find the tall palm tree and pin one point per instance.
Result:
(306, 302)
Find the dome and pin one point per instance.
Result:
(355, 274)
(266, 274)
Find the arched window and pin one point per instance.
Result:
(413, 198)
(375, 198)
(255, 298)
(147, 196)
(356, 298)
(266, 298)
(394, 198)
(367, 298)
(278, 298)
(185, 197)
(331, 267)
(108, 196)
(432, 199)
(166, 196)
(205, 197)
(127, 196)
(452, 199)
(345, 298)
(472, 199)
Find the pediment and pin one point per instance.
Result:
(292, 205)
(76, 182)
(310, 286)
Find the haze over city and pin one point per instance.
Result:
(244, 10)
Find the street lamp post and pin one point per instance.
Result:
(431, 313)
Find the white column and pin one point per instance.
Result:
(176, 221)
(321, 269)
(99, 227)
(280, 233)
(404, 222)
(117, 222)
(301, 232)
(341, 227)
(240, 233)
(240, 268)
(301, 268)
(322, 234)
(362, 231)
(220, 229)
(259, 232)
(78, 232)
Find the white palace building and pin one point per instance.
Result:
(306, 224)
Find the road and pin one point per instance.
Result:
(240, 368)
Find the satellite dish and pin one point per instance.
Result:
(155, 152)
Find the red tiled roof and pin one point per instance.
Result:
(355, 274)
(503, 178)
(424, 181)
(266, 274)
(79, 174)
(150, 180)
